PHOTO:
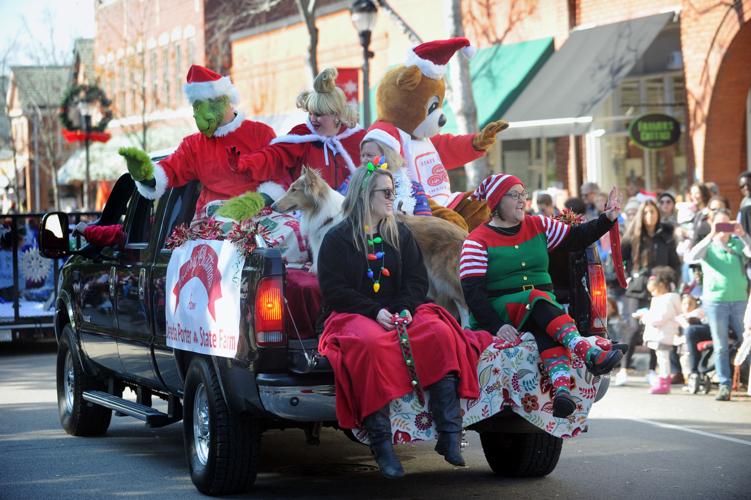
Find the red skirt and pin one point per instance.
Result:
(369, 368)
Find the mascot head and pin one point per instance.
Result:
(411, 96)
(211, 96)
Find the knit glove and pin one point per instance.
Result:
(486, 137)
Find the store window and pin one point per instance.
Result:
(620, 162)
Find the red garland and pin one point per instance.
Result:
(242, 234)
(80, 136)
(568, 216)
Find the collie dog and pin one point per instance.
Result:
(439, 240)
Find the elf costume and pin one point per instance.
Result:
(205, 156)
(334, 156)
(504, 274)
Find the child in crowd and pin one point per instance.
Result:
(693, 330)
(661, 323)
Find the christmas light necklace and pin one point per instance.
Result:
(373, 255)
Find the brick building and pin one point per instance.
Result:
(142, 52)
(684, 58)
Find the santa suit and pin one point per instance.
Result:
(206, 159)
(427, 161)
(334, 157)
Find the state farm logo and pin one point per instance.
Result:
(438, 176)
(203, 264)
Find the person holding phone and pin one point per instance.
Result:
(722, 255)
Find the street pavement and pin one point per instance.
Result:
(638, 446)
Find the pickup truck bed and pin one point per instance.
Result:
(110, 327)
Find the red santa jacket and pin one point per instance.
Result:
(206, 159)
(334, 156)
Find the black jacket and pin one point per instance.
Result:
(345, 286)
(660, 251)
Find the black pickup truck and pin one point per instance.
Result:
(110, 328)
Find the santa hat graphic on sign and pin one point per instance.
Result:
(202, 84)
(432, 57)
(388, 134)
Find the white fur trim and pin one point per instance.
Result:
(200, 91)
(428, 68)
(231, 126)
(332, 143)
(160, 187)
(272, 189)
(404, 201)
(469, 51)
(384, 137)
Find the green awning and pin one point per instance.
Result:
(499, 74)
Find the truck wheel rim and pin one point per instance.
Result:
(201, 432)
(69, 382)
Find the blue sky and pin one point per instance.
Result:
(70, 19)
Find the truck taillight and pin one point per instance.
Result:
(599, 294)
(269, 313)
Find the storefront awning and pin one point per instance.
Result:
(499, 75)
(562, 96)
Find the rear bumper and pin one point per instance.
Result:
(297, 398)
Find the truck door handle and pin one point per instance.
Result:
(142, 283)
(113, 278)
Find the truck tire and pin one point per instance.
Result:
(221, 446)
(521, 455)
(78, 417)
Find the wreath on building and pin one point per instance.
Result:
(70, 115)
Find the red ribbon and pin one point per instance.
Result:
(615, 249)
(80, 136)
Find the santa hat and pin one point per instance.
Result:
(432, 57)
(386, 133)
(202, 83)
(493, 187)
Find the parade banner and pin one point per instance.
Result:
(203, 297)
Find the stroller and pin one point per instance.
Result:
(702, 383)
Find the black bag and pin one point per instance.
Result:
(637, 286)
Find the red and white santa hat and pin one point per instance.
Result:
(388, 134)
(202, 83)
(432, 57)
(493, 187)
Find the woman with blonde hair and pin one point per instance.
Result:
(328, 141)
(382, 337)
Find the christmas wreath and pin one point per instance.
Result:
(95, 96)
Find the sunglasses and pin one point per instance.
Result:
(389, 193)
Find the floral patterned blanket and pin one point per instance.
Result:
(510, 376)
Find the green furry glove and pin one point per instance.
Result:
(243, 207)
(139, 164)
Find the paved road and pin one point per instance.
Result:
(638, 446)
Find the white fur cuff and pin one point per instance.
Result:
(273, 190)
(160, 187)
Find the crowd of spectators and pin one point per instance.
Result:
(686, 259)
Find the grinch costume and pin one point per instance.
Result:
(204, 156)
(504, 274)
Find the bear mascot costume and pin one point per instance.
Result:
(409, 106)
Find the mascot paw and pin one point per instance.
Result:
(243, 207)
(139, 164)
(486, 137)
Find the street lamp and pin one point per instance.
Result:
(364, 14)
(86, 110)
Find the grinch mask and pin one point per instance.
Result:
(209, 114)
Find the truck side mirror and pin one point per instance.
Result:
(54, 236)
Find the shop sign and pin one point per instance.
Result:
(654, 131)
